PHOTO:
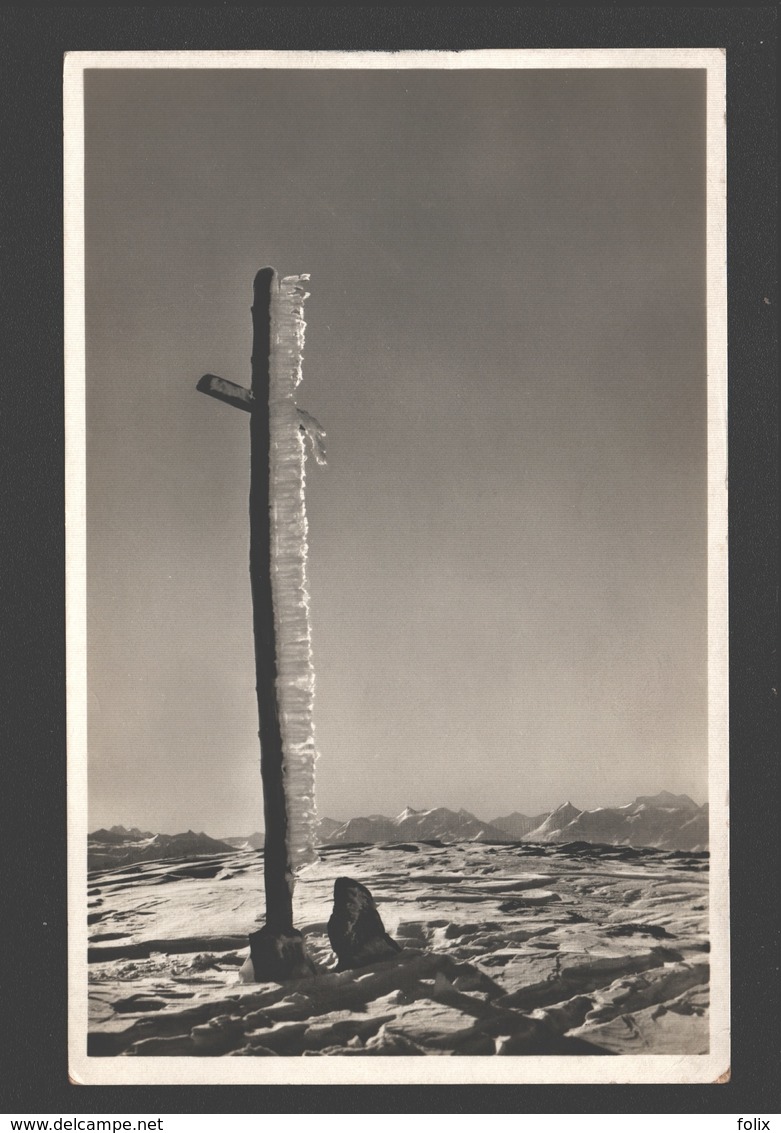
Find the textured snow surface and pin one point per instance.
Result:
(511, 949)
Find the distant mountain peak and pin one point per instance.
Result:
(565, 809)
(667, 799)
(120, 834)
(518, 825)
(439, 822)
(106, 851)
(664, 821)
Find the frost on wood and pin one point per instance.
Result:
(295, 676)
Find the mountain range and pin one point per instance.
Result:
(118, 846)
(664, 821)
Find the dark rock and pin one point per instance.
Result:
(355, 929)
(279, 956)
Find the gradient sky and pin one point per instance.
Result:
(506, 347)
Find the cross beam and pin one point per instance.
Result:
(228, 392)
(242, 398)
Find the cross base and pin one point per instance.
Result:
(279, 956)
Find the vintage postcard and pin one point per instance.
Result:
(397, 570)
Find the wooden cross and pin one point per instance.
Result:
(277, 950)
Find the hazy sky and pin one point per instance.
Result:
(506, 347)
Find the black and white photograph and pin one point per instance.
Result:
(397, 587)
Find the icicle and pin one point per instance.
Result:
(295, 676)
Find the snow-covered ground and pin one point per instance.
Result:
(507, 949)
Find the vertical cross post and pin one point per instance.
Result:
(276, 867)
(277, 949)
